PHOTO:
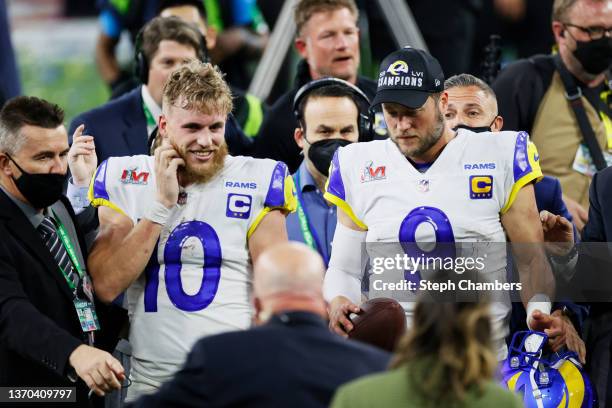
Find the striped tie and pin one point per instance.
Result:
(55, 246)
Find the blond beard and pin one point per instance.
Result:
(189, 174)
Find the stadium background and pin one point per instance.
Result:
(54, 43)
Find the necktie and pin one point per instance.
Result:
(59, 253)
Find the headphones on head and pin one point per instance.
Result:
(141, 64)
(361, 100)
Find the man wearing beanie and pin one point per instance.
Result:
(430, 184)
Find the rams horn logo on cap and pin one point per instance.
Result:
(397, 67)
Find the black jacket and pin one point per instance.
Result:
(593, 277)
(39, 327)
(275, 139)
(292, 361)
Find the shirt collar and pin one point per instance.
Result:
(307, 182)
(31, 214)
(150, 103)
(297, 317)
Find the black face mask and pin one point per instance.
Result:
(41, 190)
(322, 152)
(595, 55)
(476, 129)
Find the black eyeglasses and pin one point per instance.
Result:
(595, 33)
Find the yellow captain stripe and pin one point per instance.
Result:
(343, 205)
(574, 383)
(534, 175)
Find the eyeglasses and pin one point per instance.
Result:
(595, 33)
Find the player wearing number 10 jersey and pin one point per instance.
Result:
(179, 230)
(428, 183)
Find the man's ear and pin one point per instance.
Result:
(443, 103)
(5, 166)
(162, 126)
(300, 46)
(211, 37)
(498, 124)
(558, 30)
(298, 135)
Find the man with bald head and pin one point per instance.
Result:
(289, 359)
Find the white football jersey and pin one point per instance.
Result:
(459, 198)
(199, 281)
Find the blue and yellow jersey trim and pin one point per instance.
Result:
(97, 193)
(526, 167)
(335, 193)
(281, 195)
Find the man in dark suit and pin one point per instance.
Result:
(595, 262)
(122, 127)
(47, 310)
(290, 360)
(327, 38)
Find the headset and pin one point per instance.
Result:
(141, 64)
(361, 100)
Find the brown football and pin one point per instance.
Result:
(381, 323)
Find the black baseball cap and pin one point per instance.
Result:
(407, 77)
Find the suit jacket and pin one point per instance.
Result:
(39, 327)
(292, 361)
(120, 128)
(599, 226)
(595, 262)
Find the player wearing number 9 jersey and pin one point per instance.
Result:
(428, 183)
(179, 230)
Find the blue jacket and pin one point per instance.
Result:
(120, 128)
(292, 361)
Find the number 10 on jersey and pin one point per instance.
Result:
(211, 269)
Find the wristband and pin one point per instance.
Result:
(540, 302)
(565, 259)
(158, 213)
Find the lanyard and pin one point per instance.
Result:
(148, 115)
(308, 232)
(63, 235)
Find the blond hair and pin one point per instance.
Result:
(562, 7)
(454, 340)
(304, 10)
(200, 86)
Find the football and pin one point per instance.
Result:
(381, 323)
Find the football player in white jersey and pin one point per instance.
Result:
(428, 183)
(472, 104)
(179, 230)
